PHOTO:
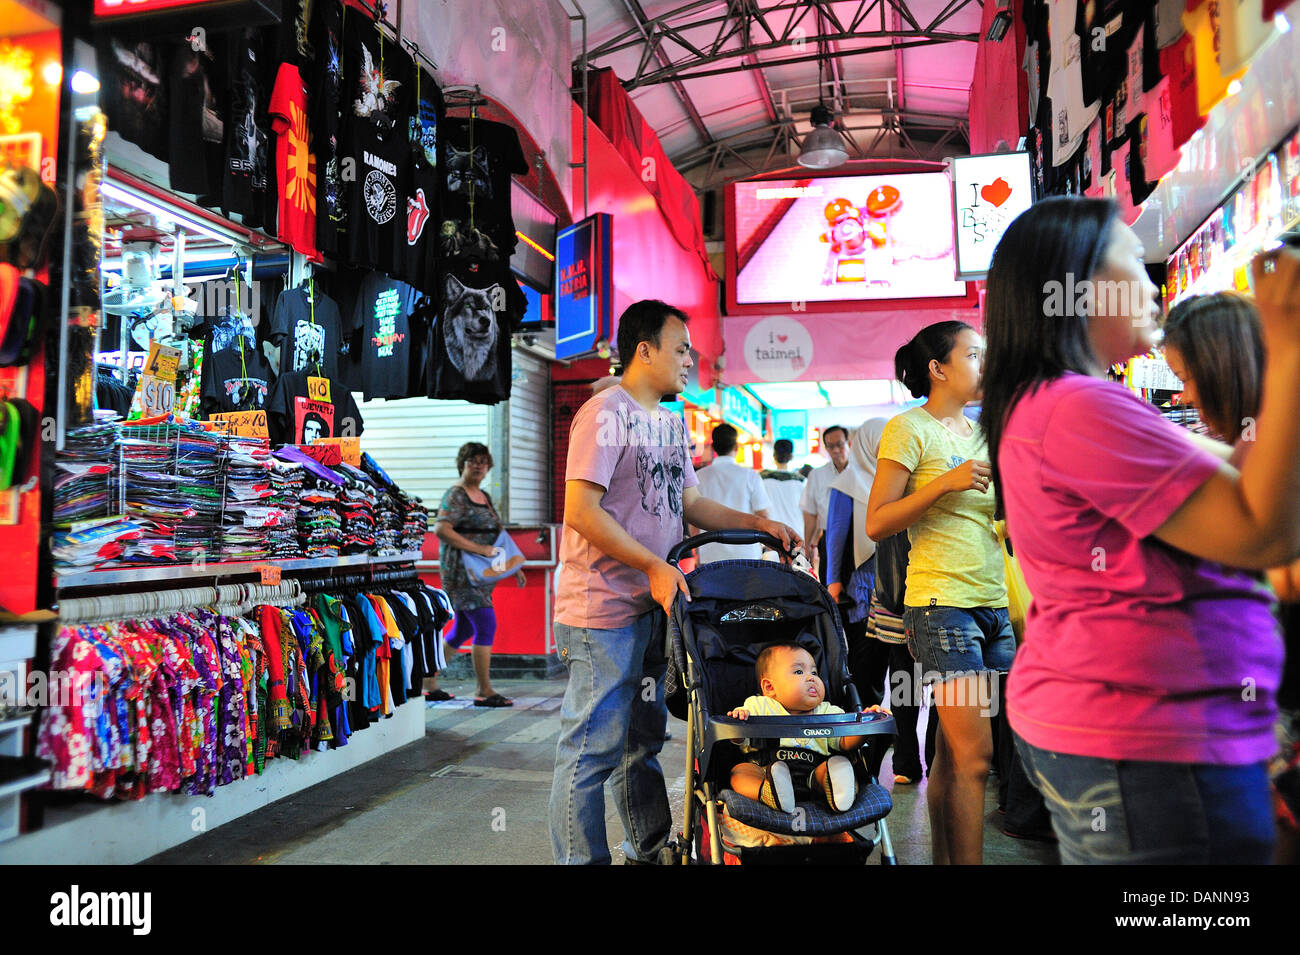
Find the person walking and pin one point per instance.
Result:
(817, 494)
(736, 487)
(467, 522)
(784, 486)
(1144, 694)
(932, 479)
(628, 486)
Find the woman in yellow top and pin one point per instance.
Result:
(933, 480)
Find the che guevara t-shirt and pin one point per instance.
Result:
(304, 407)
(383, 314)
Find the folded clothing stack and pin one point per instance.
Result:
(320, 520)
(415, 523)
(286, 485)
(84, 471)
(357, 500)
(201, 473)
(249, 512)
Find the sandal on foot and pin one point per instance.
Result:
(777, 789)
(496, 699)
(439, 696)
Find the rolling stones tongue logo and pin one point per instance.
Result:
(417, 214)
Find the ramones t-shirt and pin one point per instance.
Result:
(302, 409)
(383, 315)
(478, 159)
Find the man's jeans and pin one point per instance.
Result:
(611, 727)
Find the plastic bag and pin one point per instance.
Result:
(1018, 595)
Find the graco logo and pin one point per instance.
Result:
(818, 732)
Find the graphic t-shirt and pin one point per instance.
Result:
(326, 85)
(235, 380)
(303, 407)
(469, 355)
(378, 90)
(293, 36)
(295, 162)
(642, 459)
(304, 325)
(196, 129)
(382, 313)
(1071, 116)
(134, 92)
(478, 159)
(955, 558)
(1205, 27)
(417, 260)
(1133, 649)
(247, 183)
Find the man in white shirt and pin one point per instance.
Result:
(784, 487)
(737, 487)
(816, 498)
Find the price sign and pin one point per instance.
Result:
(327, 454)
(318, 389)
(163, 361)
(158, 383)
(270, 574)
(246, 424)
(349, 448)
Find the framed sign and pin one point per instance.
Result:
(987, 193)
(584, 293)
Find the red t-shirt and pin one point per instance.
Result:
(1178, 62)
(295, 163)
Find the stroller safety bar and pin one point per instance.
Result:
(726, 537)
(828, 726)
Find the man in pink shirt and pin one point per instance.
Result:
(628, 487)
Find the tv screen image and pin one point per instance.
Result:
(845, 238)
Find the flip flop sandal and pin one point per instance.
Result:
(496, 699)
(439, 696)
(777, 790)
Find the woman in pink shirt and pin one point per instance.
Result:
(1143, 698)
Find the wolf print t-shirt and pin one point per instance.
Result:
(383, 314)
(642, 460)
(478, 158)
(469, 355)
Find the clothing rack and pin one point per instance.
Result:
(382, 579)
(231, 599)
(379, 10)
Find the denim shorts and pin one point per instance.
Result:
(1135, 812)
(956, 641)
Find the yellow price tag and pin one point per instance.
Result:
(318, 389)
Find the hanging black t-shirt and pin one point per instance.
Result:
(325, 78)
(378, 90)
(293, 40)
(297, 415)
(196, 125)
(133, 92)
(469, 354)
(478, 159)
(235, 379)
(303, 329)
(416, 261)
(247, 184)
(383, 314)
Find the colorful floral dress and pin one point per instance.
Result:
(476, 522)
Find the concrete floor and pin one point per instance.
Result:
(475, 790)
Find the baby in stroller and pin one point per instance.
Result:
(787, 677)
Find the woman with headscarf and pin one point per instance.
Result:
(877, 644)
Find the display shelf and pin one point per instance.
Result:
(153, 573)
(25, 777)
(17, 722)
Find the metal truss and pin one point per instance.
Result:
(810, 33)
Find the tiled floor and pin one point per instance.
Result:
(475, 790)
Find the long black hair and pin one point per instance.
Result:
(1032, 332)
(932, 343)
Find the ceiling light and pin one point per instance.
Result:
(823, 148)
(1001, 22)
(83, 82)
(1281, 22)
(1234, 87)
(144, 205)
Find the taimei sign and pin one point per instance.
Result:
(584, 302)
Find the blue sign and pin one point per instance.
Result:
(793, 426)
(584, 297)
(743, 410)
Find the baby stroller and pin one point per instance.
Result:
(737, 608)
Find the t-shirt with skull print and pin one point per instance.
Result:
(478, 157)
(300, 328)
(376, 106)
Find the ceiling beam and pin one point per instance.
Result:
(639, 18)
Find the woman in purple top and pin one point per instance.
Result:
(1143, 698)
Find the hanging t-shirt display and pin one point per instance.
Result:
(478, 159)
(293, 36)
(133, 92)
(295, 162)
(326, 85)
(235, 379)
(196, 130)
(304, 407)
(307, 328)
(383, 314)
(417, 261)
(376, 106)
(247, 179)
(469, 354)
(1071, 116)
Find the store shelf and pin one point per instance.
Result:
(17, 722)
(21, 773)
(154, 573)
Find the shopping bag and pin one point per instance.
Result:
(490, 571)
(1018, 595)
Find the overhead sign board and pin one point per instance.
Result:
(988, 192)
(584, 293)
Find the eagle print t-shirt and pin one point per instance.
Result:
(642, 460)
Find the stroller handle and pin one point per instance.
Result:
(732, 536)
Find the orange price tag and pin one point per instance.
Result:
(270, 574)
(318, 389)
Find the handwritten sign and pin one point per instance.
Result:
(349, 448)
(270, 574)
(318, 389)
(246, 424)
(988, 192)
(327, 454)
(157, 389)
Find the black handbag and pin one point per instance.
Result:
(891, 571)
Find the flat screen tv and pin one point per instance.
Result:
(841, 243)
(535, 226)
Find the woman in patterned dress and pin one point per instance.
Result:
(467, 521)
